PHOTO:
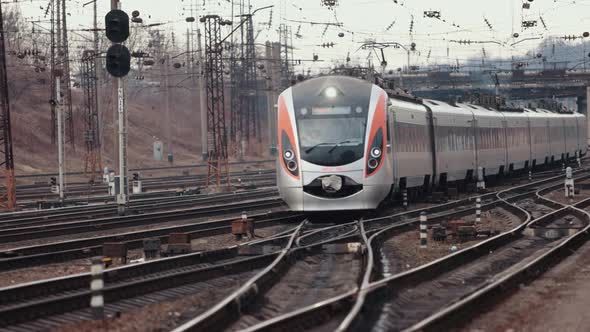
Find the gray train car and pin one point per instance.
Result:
(346, 144)
(467, 136)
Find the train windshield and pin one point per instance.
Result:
(332, 140)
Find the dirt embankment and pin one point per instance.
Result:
(31, 122)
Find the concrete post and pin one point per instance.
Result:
(569, 185)
(96, 286)
(423, 230)
(477, 210)
(405, 198)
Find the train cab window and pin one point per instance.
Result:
(332, 135)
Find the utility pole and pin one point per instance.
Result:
(60, 137)
(69, 114)
(270, 99)
(217, 159)
(202, 97)
(167, 124)
(97, 80)
(118, 65)
(52, 69)
(7, 199)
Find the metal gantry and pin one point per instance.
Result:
(92, 157)
(249, 89)
(217, 160)
(60, 63)
(8, 197)
(69, 113)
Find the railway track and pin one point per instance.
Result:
(138, 206)
(64, 300)
(299, 277)
(57, 225)
(306, 260)
(406, 300)
(43, 191)
(38, 255)
(356, 310)
(573, 237)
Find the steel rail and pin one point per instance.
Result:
(462, 257)
(457, 312)
(84, 248)
(232, 304)
(222, 207)
(351, 302)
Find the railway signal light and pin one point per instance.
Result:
(117, 26)
(118, 60)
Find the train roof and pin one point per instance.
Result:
(437, 105)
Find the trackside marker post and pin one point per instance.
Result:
(569, 185)
(405, 198)
(423, 230)
(478, 210)
(96, 286)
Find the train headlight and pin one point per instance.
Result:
(331, 92)
(373, 163)
(292, 165)
(375, 152)
(289, 155)
(289, 158)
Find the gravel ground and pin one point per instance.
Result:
(559, 196)
(20, 276)
(404, 249)
(557, 301)
(310, 280)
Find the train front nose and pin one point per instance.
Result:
(332, 185)
(338, 188)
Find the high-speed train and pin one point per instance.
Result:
(345, 144)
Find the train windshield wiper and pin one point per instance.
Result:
(315, 146)
(339, 144)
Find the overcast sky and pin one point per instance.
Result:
(370, 19)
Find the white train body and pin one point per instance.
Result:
(345, 145)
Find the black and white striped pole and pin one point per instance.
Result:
(96, 286)
(481, 183)
(477, 210)
(423, 230)
(405, 198)
(569, 185)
